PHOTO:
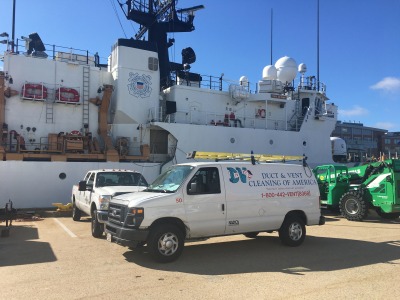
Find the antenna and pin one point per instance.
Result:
(13, 28)
(272, 16)
(317, 45)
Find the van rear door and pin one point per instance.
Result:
(205, 204)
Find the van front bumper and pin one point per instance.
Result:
(128, 237)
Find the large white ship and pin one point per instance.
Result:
(63, 113)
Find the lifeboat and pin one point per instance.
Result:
(34, 91)
(64, 94)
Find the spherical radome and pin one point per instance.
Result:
(286, 68)
(269, 73)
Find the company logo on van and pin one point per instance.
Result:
(241, 174)
(139, 85)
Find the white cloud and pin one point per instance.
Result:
(385, 125)
(355, 111)
(387, 84)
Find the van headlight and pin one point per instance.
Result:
(104, 200)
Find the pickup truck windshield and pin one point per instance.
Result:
(170, 180)
(120, 179)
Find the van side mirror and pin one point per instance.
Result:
(192, 188)
(82, 186)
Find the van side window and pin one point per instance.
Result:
(205, 181)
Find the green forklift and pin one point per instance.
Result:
(355, 190)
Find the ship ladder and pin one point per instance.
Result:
(49, 107)
(85, 96)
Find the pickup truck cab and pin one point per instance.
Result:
(201, 200)
(92, 195)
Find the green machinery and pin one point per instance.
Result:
(355, 190)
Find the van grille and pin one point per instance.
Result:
(117, 213)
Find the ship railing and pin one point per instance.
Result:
(226, 120)
(61, 53)
(32, 146)
(310, 84)
(217, 83)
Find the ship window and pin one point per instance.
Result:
(153, 63)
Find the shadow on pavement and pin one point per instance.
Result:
(266, 254)
(21, 249)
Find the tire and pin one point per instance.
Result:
(293, 231)
(165, 243)
(251, 235)
(353, 207)
(76, 213)
(97, 228)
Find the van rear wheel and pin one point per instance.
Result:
(293, 231)
(165, 243)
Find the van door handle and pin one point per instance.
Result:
(223, 207)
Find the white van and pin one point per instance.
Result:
(200, 200)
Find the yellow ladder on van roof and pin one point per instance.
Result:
(243, 156)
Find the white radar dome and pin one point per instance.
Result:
(244, 81)
(302, 68)
(286, 68)
(269, 73)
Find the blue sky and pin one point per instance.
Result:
(359, 42)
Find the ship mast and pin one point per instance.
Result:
(158, 18)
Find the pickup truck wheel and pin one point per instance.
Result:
(97, 228)
(293, 231)
(165, 243)
(76, 213)
(353, 207)
(251, 235)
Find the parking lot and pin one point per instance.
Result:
(56, 258)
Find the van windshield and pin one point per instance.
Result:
(170, 180)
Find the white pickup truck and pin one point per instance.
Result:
(92, 195)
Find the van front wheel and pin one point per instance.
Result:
(293, 231)
(165, 243)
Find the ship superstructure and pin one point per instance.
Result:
(62, 112)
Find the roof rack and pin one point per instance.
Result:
(218, 156)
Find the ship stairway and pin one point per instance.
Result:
(85, 96)
(297, 119)
(49, 106)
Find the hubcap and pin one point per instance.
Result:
(295, 231)
(352, 207)
(168, 244)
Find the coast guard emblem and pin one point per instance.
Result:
(139, 85)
